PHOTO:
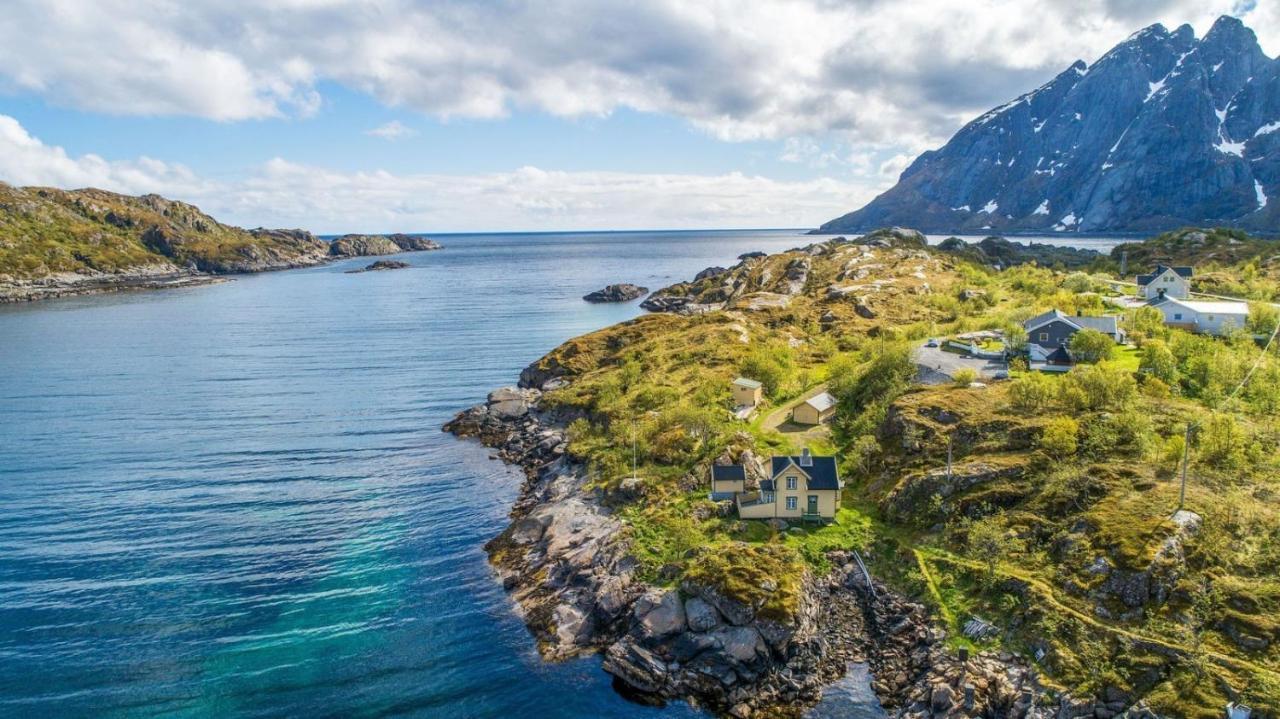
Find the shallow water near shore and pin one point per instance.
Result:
(236, 500)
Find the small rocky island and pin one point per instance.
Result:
(616, 293)
(380, 266)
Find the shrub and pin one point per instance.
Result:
(1031, 392)
(1060, 437)
(1148, 322)
(771, 366)
(1089, 345)
(1263, 318)
(965, 376)
(1101, 386)
(1158, 362)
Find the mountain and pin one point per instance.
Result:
(1162, 131)
(58, 242)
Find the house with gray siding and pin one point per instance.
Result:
(1053, 329)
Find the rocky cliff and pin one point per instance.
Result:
(1164, 130)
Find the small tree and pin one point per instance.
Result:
(1090, 345)
(988, 541)
(1031, 392)
(1158, 361)
(1148, 322)
(1015, 338)
(1263, 318)
(1060, 437)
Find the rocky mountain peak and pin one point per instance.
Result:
(1163, 130)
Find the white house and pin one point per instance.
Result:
(1214, 318)
(1171, 281)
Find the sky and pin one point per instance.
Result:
(473, 115)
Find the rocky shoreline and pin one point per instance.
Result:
(566, 563)
(69, 284)
(168, 276)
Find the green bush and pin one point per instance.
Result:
(1060, 437)
(1090, 345)
(1031, 392)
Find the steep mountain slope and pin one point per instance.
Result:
(1164, 130)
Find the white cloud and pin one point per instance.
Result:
(394, 130)
(25, 160)
(884, 72)
(281, 193)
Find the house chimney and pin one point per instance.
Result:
(1160, 292)
(1079, 313)
(806, 459)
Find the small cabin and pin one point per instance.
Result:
(816, 410)
(727, 481)
(747, 392)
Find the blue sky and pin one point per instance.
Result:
(502, 115)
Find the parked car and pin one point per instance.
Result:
(933, 342)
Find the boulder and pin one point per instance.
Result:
(660, 612)
(380, 266)
(616, 293)
(709, 272)
(701, 616)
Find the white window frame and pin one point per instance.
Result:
(793, 482)
(792, 503)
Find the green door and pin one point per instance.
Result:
(813, 504)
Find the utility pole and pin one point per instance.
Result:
(1186, 452)
(948, 458)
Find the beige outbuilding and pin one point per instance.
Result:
(815, 410)
(747, 392)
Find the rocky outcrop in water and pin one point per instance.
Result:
(366, 245)
(1162, 131)
(380, 266)
(616, 293)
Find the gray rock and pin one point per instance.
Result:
(660, 612)
(702, 617)
(616, 293)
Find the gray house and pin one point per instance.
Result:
(1054, 328)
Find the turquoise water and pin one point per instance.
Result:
(235, 500)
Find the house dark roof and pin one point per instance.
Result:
(1043, 318)
(822, 475)
(1160, 269)
(766, 485)
(728, 472)
(1059, 356)
(1107, 324)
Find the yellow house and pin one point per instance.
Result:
(746, 392)
(815, 410)
(800, 487)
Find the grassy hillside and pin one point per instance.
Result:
(45, 231)
(1227, 261)
(1057, 523)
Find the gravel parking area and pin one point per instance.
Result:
(938, 366)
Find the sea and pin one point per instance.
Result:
(235, 500)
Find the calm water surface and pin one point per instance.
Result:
(235, 500)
